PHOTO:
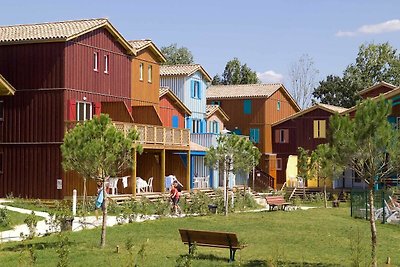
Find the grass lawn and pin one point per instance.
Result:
(316, 237)
(16, 218)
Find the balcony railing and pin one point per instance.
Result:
(150, 134)
(208, 139)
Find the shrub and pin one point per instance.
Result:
(31, 221)
(4, 217)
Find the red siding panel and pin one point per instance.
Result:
(167, 110)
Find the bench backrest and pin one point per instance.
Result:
(209, 238)
(275, 199)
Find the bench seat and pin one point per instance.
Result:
(277, 201)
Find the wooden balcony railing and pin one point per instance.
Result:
(150, 134)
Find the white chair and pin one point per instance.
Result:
(113, 184)
(150, 184)
(196, 182)
(207, 181)
(141, 185)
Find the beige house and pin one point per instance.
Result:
(216, 119)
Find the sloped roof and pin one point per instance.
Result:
(196, 147)
(183, 70)
(166, 91)
(246, 91)
(139, 45)
(377, 85)
(329, 108)
(57, 32)
(5, 87)
(211, 109)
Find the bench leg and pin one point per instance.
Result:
(232, 253)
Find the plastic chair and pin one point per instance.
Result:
(113, 184)
(150, 184)
(207, 181)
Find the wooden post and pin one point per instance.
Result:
(188, 166)
(163, 171)
(133, 176)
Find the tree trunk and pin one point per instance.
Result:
(325, 200)
(104, 224)
(84, 197)
(373, 226)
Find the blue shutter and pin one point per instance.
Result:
(217, 128)
(175, 121)
(257, 135)
(192, 88)
(251, 134)
(247, 106)
(199, 88)
(202, 126)
(189, 123)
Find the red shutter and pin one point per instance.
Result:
(97, 108)
(72, 110)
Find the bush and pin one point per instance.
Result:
(4, 217)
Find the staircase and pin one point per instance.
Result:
(262, 180)
(299, 192)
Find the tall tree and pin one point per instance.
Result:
(337, 91)
(234, 154)
(374, 63)
(177, 55)
(369, 145)
(236, 73)
(97, 150)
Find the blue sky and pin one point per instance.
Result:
(267, 35)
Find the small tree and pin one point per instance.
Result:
(97, 150)
(369, 145)
(234, 154)
(177, 55)
(303, 166)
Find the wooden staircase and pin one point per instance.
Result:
(262, 180)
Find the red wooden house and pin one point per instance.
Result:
(172, 110)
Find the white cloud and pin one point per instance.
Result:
(387, 26)
(270, 76)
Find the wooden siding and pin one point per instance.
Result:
(146, 115)
(216, 118)
(197, 106)
(175, 83)
(31, 171)
(287, 108)
(145, 93)
(169, 109)
(32, 66)
(118, 111)
(377, 91)
(79, 73)
(301, 134)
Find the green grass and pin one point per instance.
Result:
(16, 218)
(316, 237)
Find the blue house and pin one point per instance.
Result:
(189, 83)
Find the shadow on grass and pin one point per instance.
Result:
(211, 257)
(261, 263)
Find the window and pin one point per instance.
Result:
(1, 162)
(278, 164)
(1, 110)
(96, 61)
(355, 176)
(195, 88)
(218, 103)
(175, 121)
(141, 71)
(214, 127)
(84, 111)
(247, 106)
(282, 136)
(150, 73)
(106, 63)
(196, 126)
(278, 105)
(255, 135)
(319, 129)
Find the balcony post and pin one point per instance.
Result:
(188, 166)
(133, 175)
(163, 171)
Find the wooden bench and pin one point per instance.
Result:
(277, 201)
(211, 239)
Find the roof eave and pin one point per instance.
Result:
(6, 87)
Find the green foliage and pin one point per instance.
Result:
(63, 250)
(187, 259)
(175, 55)
(236, 73)
(31, 221)
(140, 258)
(4, 218)
(374, 63)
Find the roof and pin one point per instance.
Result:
(386, 95)
(377, 85)
(5, 87)
(329, 108)
(168, 92)
(211, 109)
(196, 147)
(183, 70)
(139, 45)
(57, 32)
(246, 91)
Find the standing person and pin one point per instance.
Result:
(174, 195)
(99, 199)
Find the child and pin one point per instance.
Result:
(174, 195)
(99, 199)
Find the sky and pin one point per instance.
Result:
(269, 36)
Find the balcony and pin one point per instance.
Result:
(152, 136)
(207, 139)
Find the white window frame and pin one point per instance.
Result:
(196, 125)
(141, 65)
(106, 63)
(85, 110)
(196, 90)
(96, 61)
(150, 74)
